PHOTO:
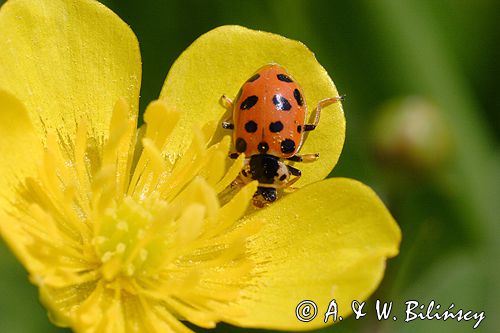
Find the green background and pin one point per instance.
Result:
(446, 201)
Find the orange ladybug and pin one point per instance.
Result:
(269, 116)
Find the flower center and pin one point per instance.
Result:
(101, 222)
(122, 243)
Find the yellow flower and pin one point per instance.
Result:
(127, 231)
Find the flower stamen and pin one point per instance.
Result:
(148, 236)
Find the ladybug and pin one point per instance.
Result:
(269, 116)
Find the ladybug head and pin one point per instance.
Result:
(267, 193)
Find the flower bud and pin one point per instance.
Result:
(411, 135)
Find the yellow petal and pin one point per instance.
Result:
(19, 149)
(329, 240)
(68, 60)
(18, 143)
(220, 61)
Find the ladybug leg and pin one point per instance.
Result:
(294, 171)
(304, 158)
(228, 104)
(317, 112)
(288, 187)
(291, 182)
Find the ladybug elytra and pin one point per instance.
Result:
(269, 116)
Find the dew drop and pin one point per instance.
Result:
(122, 226)
(143, 254)
(130, 269)
(120, 248)
(106, 256)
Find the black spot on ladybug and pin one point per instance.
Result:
(298, 97)
(251, 126)
(284, 78)
(263, 147)
(281, 103)
(253, 78)
(276, 126)
(287, 146)
(299, 128)
(241, 145)
(249, 102)
(283, 177)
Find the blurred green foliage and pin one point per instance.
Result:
(446, 51)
